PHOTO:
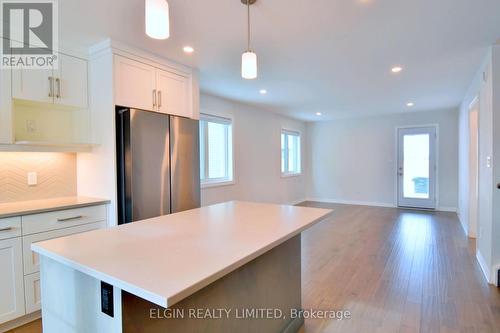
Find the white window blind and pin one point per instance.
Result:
(216, 149)
(290, 153)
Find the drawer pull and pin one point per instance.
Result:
(70, 218)
(6, 229)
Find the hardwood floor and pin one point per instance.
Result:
(395, 271)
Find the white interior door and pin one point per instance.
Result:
(417, 167)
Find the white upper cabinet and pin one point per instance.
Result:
(33, 85)
(134, 84)
(11, 280)
(66, 85)
(143, 86)
(70, 82)
(172, 91)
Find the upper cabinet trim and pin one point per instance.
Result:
(132, 53)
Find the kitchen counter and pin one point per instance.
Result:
(168, 259)
(46, 205)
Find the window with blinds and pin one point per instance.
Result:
(290, 153)
(216, 150)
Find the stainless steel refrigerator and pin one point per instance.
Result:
(158, 164)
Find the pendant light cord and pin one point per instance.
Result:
(248, 22)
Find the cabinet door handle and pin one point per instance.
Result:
(154, 97)
(58, 83)
(6, 229)
(51, 86)
(70, 218)
(159, 98)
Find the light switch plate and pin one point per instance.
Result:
(32, 178)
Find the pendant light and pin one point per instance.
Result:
(249, 58)
(157, 19)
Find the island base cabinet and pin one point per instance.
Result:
(72, 301)
(11, 279)
(271, 281)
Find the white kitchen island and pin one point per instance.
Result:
(175, 273)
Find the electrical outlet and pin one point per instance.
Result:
(32, 178)
(31, 126)
(488, 161)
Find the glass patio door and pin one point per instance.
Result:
(417, 167)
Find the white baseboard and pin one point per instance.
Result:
(20, 321)
(447, 209)
(353, 202)
(373, 203)
(484, 267)
(295, 202)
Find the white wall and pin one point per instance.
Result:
(486, 85)
(257, 146)
(354, 160)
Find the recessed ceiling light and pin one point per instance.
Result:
(188, 49)
(410, 104)
(318, 113)
(396, 69)
(263, 91)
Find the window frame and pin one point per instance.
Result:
(297, 133)
(220, 119)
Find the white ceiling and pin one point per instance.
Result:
(329, 56)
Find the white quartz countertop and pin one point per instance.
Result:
(168, 258)
(46, 205)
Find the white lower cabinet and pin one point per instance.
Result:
(32, 292)
(11, 279)
(20, 292)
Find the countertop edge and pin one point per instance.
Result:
(97, 202)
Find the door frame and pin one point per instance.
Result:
(396, 164)
(473, 178)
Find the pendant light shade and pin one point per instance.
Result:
(249, 65)
(248, 58)
(157, 19)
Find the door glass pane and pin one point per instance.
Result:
(416, 166)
